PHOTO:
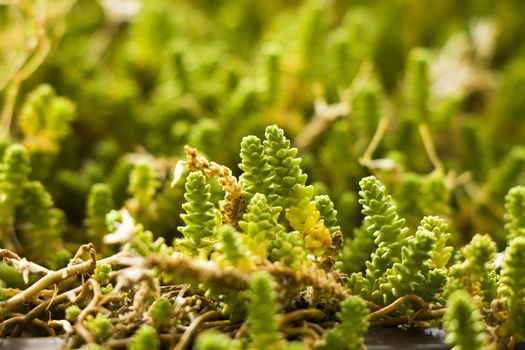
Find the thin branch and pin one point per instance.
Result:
(366, 158)
(393, 306)
(404, 319)
(187, 336)
(430, 149)
(301, 314)
(24, 320)
(90, 308)
(51, 278)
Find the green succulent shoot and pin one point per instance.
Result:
(262, 314)
(463, 323)
(199, 218)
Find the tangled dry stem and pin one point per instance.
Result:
(192, 312)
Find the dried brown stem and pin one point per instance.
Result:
(300, 331)
(301, 315)
(188, 334)
(366, 158)
(35, 312)
(205, 272)
(430, 149)
(90, 308)
(51, 278)
(394, 305)
(404, 319)
(319, 279)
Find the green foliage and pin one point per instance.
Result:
(422, 195)
(262, 314)
(289, 248)
(348, 335)
(199, 218)
(409, 275)
(507, 173)
(14, 174)
(285, 173)
(45, 119)
(143, 183)
(60, 259)
(160, 312)
(382, 221)
(366, 108)
(145, 338)
(305, 218)
(99, 203)
(515, 213)
(43, 224)
(475, 142)
(215, 341)
(441, 252)
(72, 313)
(478, 255)
(101, 273)
(99, 326)
(357, 250)
(512, 288)
(418, 89)
(231, 246)
(463, 323)
(260, 224)
(328, 73)
(256, 171)
(476, 272)
(324, 204)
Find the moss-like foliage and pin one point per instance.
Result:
(262, 314)
(512, 288)
(14, 173)
(305, 218)
(324, 204)
(285, 167)
(45, 119)
(260, 224)
(72, 313)
(409, 275)
(101, 273)
(430, 106)
(99, 326)
(143, 183)
(232, 247)
(463, 323)
(99, 203)
(145, 338)
(507, 173)
(256, 171)
(43, 223)
(441, 252)
(383, 222)
(199, 218)
(348, 335)
(357, 250)
(289, 248)
(215, 341)
(160, 312)
(418, 89)
(476, 272)
(515, 213)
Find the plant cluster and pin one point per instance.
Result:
(409, 124)
(276, 277)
